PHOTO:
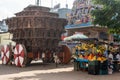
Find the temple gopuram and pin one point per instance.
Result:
(36, 27)
(80, 20)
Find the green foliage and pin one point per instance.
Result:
(108, 15)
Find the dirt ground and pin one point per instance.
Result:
(49, 72)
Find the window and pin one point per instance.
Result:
(54, 34)
(48, 34)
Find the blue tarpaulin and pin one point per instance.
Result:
(78, 25)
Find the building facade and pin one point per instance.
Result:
(3, 26)
(5, 39)
(64, 12)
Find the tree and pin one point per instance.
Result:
(107, 14)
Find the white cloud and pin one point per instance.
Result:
(5, 13)
(9, 7)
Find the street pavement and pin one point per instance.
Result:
(49, 72)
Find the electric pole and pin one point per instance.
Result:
(38, 2)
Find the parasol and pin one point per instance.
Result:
(75, 36)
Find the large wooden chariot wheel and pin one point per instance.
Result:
(5, 54)
(20, 55)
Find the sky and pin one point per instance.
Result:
(9, 7)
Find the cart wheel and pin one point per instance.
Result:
(5, 54)
(20, 55)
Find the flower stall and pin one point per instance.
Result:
(89, 55)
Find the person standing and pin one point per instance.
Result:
(110, 66)
(118, 56)
(43, 57)
(110, 56)
(118, 59)
(56, 59)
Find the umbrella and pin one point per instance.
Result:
(78, 36)
(67, 38)
(75, 36)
